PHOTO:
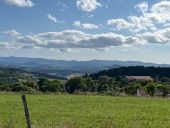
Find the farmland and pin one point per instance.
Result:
(72, 111)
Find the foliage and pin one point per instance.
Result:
(46, 85)
(76, 84)
(133, 71)
(111, 81)
(151, 88)
(132, 88)
(164, 88)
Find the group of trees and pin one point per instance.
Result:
(42, 85)
(112, 81)
(134, 71)
(150, 88)
(104, 84)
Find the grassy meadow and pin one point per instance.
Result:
(71, 111)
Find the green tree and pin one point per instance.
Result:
(76, 84)
(165, 79)
(42, 84)
(103, 84)
(132, 88)
(32, 85)
(91, 85)
(55, 86)
(19, 87)
(164, 88)
(46, 85)
(151, 88)
(103, 80)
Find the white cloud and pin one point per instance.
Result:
(4, 44)
(85, 25)
(143, 7)
(118, 23)
(74, 39)
(9, 45)
(12, 33)
(88, 5)
(77, 24)
(163, 6)
(161, 36)
(53, 18)
(70, 39)
(20, 3)
(152, 18)
(89, 26)
(151, 26)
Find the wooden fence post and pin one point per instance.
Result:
(24, 101)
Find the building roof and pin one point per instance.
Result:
(140, 78)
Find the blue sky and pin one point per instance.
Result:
(86, 29)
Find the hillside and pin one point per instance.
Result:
(134, 70)
(11, 76)
(14, 75)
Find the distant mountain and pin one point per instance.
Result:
(63, 68)
(39, 62)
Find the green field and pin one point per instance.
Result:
(68, 111)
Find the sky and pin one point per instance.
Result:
(136, 30)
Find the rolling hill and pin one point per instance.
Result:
(64, 68)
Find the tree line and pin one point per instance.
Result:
(80, 85)
(111, 82)
(134, 71)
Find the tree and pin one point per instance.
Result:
(46, 85)
(165, 79)
(103, 80)
(91, 85)
(164, 88)
(55, 86)
(76, 84)
(132, 88)
(19, 87)
(31, 84)
(42, 84)
(104, 84)
(151, 88)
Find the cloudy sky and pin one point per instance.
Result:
(86, 29)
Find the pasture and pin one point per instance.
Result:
(72, 111)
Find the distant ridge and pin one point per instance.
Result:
(40, 62)
(66, 68)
